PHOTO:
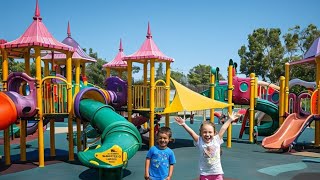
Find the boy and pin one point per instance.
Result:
(160, 158)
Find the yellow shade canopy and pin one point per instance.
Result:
(188, 100)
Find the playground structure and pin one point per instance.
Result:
(296, 122)
(241, 95)
(53, 94)
(50, 94)
(265, 98)
(56, 93)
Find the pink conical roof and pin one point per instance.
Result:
(148, 50)
(78, 54)
(37, 35)
(117, 61)
(2, 41)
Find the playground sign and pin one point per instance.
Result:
(113, 156)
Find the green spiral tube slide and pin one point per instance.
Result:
(120, 139)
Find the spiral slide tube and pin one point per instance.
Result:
(120, 139)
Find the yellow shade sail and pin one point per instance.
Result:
(188, 100)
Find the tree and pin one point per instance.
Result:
(179, 77)
(159, 72)
(94, 71)
(263, 54)
(18, 66)
(297, 42)
(199, 75)
(221, 77)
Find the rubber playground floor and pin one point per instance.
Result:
(242, 161)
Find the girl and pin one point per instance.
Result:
(209, 146)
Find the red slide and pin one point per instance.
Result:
(287, 133)
(8, 111)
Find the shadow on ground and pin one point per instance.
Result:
(32, 161)
(309, 176)
(93, 173)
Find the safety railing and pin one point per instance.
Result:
(54, 90)
(141, 96)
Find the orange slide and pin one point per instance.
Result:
(287, 133)
(8, 111)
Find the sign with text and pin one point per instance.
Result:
(113, 156)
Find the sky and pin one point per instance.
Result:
(193, 32)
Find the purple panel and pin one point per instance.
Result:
(57, 81)
(314, 49)
(292, 102)
(299, 109)
(119, 89)
(26, 105)
(79, 98)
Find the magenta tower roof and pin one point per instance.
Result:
(148, 50)
(117, 61)
(2, 41)
(37, 35)
(78, 54)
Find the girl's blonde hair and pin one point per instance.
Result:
(207, 123)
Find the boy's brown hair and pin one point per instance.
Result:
(165, 130)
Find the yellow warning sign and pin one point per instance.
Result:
(113, 156)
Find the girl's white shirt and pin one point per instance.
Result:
(209, 161)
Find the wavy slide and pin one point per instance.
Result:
(289, 131)
(266, 128)
(272, 110)
(120, 139)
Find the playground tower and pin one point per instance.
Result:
(142, 98)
